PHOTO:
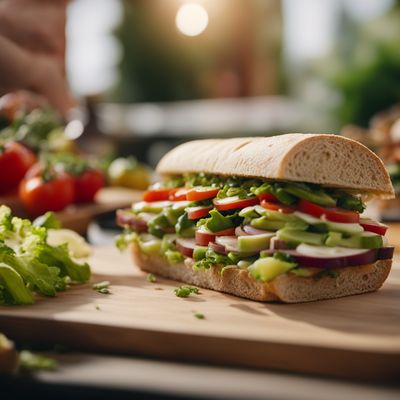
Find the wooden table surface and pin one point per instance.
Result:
(356, 336)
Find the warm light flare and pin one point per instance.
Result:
(191, 19)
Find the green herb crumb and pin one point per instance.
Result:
(102, 287)
(33, 362)
(199, 315)
(186, 291)
(151, 278)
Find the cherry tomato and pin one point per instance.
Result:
(39, 195)
(332, 214)
(267, 197)
(198, 212)
(15, 160)
(178, 195)
(203, 237)
(231, 203)
(373, 226)
(158, 194)
(199, 193)
(87, 185)
(277, 207)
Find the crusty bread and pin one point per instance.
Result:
(330, 160)
(287, 288)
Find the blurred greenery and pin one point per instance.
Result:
(160, 64)
(151, 68)
(366, 67)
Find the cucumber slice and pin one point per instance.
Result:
(351, 228)
(250, 243)
(151, 207)
(297, 237)
(328, 252)
(267, 224)
(370, 240)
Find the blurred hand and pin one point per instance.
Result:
(20, 101)
(36, 25)
(21, 69)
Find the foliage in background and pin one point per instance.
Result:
(366, 70)
(237, 55)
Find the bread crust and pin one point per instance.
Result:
(329, 160)
(287, 288)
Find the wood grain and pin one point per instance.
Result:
(356, 337)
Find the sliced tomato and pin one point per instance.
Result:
(267, 197)
(373, 226)
(178, 195)
(199, 193)
(234, 202)
(158, 194)
(332, 214)
(198, 212)
(204, 237)
(277, 207)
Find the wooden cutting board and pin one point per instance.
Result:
(357, 337)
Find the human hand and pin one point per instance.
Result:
(20, 69)
(36, 25)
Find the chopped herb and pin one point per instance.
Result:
(97, 307)
(151, 278)
(186, 291)
(199, 315)
(102, 287)
(33, 362)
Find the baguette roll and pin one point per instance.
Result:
(291, 223)
(329, 160)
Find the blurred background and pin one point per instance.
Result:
(154, 73)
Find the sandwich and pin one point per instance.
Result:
(267, 218)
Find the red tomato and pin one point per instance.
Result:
(332, 214)
(198, 212)
(15, 160)
(40, 196)
(231, 203)
(373, 226)
(267, 197)
(87, 185)
(277, 207)
(203, 237)
(199, 193)
(158, 194)
(178, 195)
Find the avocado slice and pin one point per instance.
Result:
(268, 268)
(151, 247)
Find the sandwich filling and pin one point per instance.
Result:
(267, 227)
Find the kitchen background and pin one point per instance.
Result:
(154, 73)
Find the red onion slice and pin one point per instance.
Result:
(186, 246)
